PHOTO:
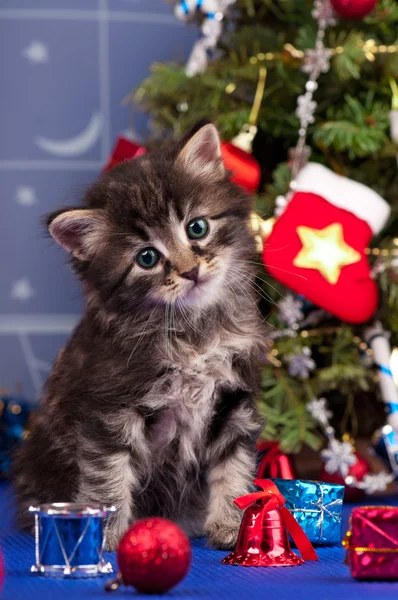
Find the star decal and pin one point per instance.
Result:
(325, 250)
(25, 195)
(36, 52)
(22, 290)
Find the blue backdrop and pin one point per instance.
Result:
(65, 67)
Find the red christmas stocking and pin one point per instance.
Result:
(317, 246)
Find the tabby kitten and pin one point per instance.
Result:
(151, 405)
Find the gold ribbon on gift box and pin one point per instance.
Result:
(346, 545)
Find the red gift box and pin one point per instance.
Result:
(372, 542)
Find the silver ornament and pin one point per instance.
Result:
(323, 12)
(290, 310)
(306, 108)
(300, 365)
(316, 61)
(318, 409)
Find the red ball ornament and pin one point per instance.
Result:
(245, 168)
(154, 555)
(353, 9)
(357, 471)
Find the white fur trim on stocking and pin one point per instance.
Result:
(345, 193)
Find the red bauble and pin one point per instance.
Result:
(245, 169)
(124, 149)
(154, 555)
(357, 471)
(353, 9)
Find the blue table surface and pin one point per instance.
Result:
(208, 578)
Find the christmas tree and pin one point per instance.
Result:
(262, 56)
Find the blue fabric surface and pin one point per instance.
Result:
(208, 579)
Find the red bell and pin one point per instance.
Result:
(263, 535)
(262, 541)
(274, 464)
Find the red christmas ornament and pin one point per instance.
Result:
(274, 464)
(357, 471)
(353, 9)
(317, 247)
(245, 169)
(153, 556)
(263, 535)
(124, 149)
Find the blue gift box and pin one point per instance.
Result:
(316, 506)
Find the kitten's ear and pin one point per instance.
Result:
(201, 155)
(78, 231)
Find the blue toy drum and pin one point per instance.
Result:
(70, 539)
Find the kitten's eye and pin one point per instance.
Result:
(148, 258)
(197, 229)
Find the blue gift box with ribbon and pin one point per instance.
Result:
(316, 506)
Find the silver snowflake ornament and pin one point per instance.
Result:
(323, 12)
(378, 482)
(338, 457)
(318, 409)
(290, 310)
(316, 61)
(300, 365)
(306, 108)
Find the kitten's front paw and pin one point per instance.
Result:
(222, 536)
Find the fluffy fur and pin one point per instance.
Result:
(151, 405)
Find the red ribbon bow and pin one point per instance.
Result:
(273, 500)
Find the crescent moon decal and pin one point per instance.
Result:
(74, 146)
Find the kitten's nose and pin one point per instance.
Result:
(192, 275)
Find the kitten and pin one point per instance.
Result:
(151, 405)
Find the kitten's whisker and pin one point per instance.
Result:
(285, 271)
(261, 264)
(254, 285)
(186, 319)
(245, 293)
(266, 283)
(277, 249)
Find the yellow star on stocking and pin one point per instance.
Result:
(325, 250)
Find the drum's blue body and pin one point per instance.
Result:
(69, 530)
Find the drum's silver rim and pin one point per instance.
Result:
(101, 568)
(72, 509)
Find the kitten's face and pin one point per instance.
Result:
(183, 261)
(165, 229)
